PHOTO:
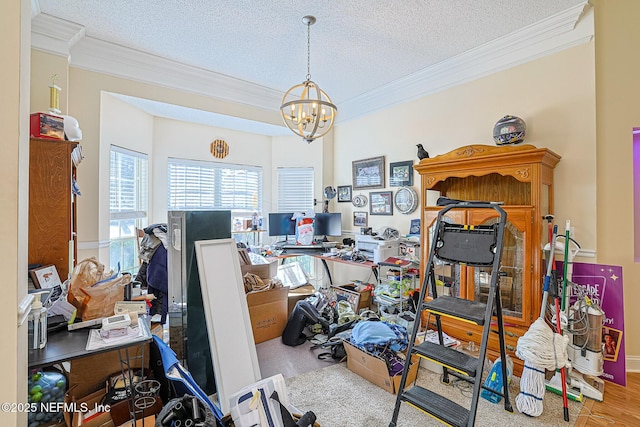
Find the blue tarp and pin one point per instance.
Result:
(183, 380)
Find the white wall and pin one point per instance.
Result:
(172, 138)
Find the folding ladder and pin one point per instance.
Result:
(480, 246)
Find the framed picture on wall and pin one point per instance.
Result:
(344, 193)
(359, 219)
(381, 203)
(368, 173)
(401, 174)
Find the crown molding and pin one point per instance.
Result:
(55, 35)
(569, 28)
(108, 58)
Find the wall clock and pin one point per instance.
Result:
(219, 149)
(406, 200)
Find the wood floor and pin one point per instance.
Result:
(619, 408)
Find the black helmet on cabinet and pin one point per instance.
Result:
(509, 130)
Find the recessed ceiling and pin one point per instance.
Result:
(358, 48)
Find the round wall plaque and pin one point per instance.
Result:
(219, 149)
(360, 201)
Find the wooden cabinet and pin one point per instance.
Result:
(522, 178)
(52, 208)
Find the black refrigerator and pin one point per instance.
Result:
(187, 323)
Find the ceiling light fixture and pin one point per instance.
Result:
(306, 109)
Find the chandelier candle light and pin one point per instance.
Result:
(306, 109)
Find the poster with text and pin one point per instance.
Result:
(603, 285)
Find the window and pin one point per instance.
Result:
(295, 194)
(219, 186)
(295, 189)
(128, 204)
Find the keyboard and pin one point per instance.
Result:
(319, 247)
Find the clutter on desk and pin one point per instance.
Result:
(94, 291)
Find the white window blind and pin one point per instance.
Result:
(194, 184)
(128, 184)
(295, 189)
(128, 204)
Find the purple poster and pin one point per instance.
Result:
(603, 284)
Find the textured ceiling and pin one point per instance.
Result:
(356, 46)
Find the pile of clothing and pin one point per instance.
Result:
(382, 339)
(153, 273)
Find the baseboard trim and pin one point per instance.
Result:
(633, 363)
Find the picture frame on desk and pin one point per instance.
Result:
(381, 203)
(45, 277)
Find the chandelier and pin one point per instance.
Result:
(306, 109)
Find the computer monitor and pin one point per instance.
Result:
(328, 224)
(281, 224)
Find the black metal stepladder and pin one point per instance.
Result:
(476, 246)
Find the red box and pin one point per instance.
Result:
(47, 126)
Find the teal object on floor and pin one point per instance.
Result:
(494, 382)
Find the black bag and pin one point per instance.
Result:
(336, 349)
(303, 313)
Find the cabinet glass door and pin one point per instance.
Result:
(515, 272)
(450, 278)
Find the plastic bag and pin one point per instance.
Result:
(45, 387)
(94, 292)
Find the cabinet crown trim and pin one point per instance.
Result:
(463, 157)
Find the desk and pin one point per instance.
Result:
(68, 345)
(318, 253)
(71, 345)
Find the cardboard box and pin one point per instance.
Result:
(268, 313)
(264, 271)
(46, 126)
(93, 400)
(299, 294)
(443, 270)
(89, 374)
(120, 411)
(358, 300)
(375, 369)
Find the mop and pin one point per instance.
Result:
(541, 349)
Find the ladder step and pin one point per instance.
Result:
(449, 357)
(441, 408)
(459, 308)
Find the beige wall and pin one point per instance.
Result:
(555, 95)
(618, 92)
(14, 112)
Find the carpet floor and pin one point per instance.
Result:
(341, 398)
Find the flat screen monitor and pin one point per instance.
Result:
(281, 224)
(328, 224)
